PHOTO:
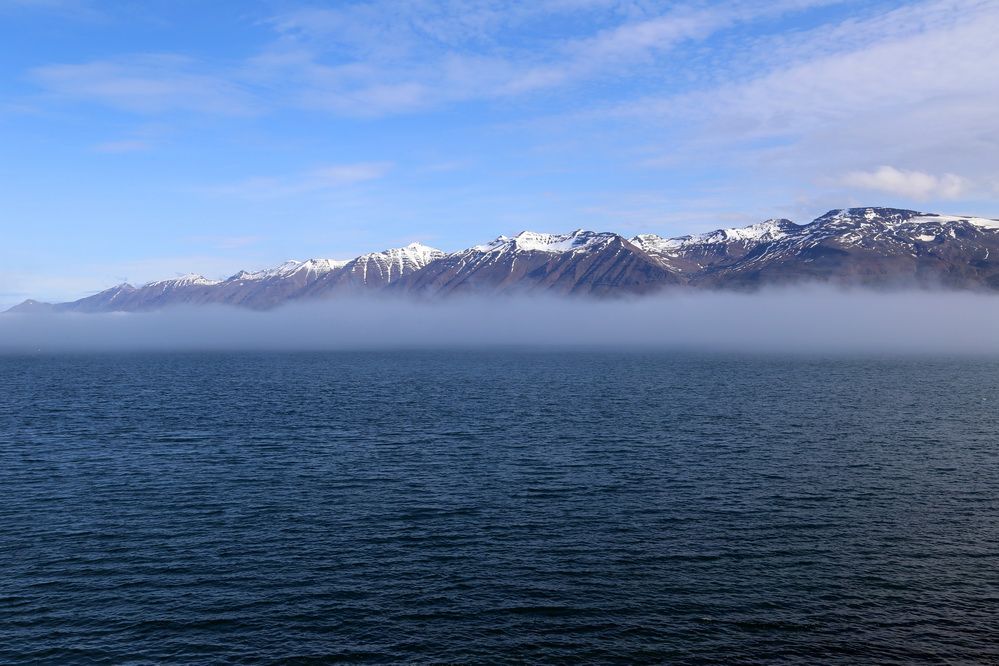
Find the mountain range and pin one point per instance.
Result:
(868, 247)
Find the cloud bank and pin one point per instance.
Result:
(799, 321)
(913, 184)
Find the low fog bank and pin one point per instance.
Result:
(779, 321)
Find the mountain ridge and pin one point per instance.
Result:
(875, 247)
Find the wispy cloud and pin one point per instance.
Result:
(724, 110)
(896, 87)
(34, 4)
(123, 146)
(150, 83)
(325, 178)
(380, 57)
(226, 242)
(68, 8)
(232, 242)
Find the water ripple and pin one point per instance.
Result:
(501, 507)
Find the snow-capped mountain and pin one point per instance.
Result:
(374, 270)
(873, 247)
(581, 262)
(691, 254)
(262, 289)
(311, 267)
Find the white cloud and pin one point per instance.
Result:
(876, 74)
(912, 184)
(914, 86)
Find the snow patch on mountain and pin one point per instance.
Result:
(291, 267)
(768, 230)
(416, 254)
(389, 265)
(189, 280)
(894, 218)
(532, 241)
(944, 219)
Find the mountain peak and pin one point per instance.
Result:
(534, 241)
(415, 246)
(768, 230)
(188, 280)
(895, 217)
(31, 305)
(414, 252)
(291, 267)
(868, 214)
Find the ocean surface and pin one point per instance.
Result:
(498, 507)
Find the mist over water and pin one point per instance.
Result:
(505, 505)
(812, 320)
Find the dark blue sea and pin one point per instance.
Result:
(498, 507)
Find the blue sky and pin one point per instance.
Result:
(141, 140)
